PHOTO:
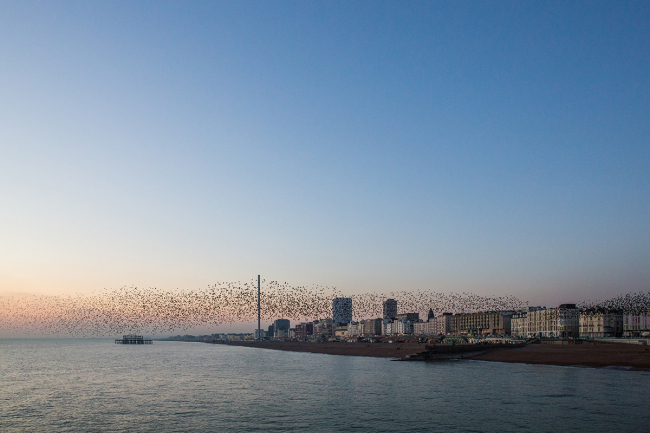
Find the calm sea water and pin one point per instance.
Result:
(79, 385)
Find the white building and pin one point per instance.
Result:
(420, 328)
(519, 324)
(387, 327)
(402, 326)
(561, 322)
(636, 324)
(354, 329)
(426, 328)
(443, 324)
(599, 322)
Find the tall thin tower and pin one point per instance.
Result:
(259, 329)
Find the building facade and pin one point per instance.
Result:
(443, 324)
(519, 325)
(599, 322)
(304, 330)
(371, 327)
(354, 329)
(342, 310)
(402, 327)
(341, 331)
(281, 328)
(323, 328)
(560, 322)
(387, 327)
(390, 309)
(481, 323)
(636, 324)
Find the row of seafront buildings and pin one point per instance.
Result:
(565, 321)
(568, 320)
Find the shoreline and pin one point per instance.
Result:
(373, 350)
(591, 355)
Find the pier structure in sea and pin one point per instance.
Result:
(133, 339)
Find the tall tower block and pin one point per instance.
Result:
(342, 310)
(390, 309)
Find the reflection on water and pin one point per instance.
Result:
(79, 385)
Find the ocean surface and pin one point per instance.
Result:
(93, 385)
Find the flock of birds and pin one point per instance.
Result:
(148, 310)
(631, 303)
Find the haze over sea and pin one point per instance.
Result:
(81, 385)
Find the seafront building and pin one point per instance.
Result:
(280, 328)
(434, 325)
(426, 328)
(354, 329)
(636, 324)
(341, 331)
(402, 326)
(390, 309)
(600, 322)
(565, 321)
(304, 330)
(443, 324)
(487, 322)
(481, 323)
(519, 324)
(323, 328)
(371, 327)
(560, 322)
(342, 310)
(387, 328)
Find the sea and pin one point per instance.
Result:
(94, 385)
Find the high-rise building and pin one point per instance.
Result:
(390, 309)
(281, 328)
(342, 310)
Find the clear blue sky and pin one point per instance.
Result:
(489, 147)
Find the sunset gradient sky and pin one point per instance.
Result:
(489, 147)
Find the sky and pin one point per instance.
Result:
(486, 147)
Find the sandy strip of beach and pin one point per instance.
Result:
(378, 350)
(585, 354)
